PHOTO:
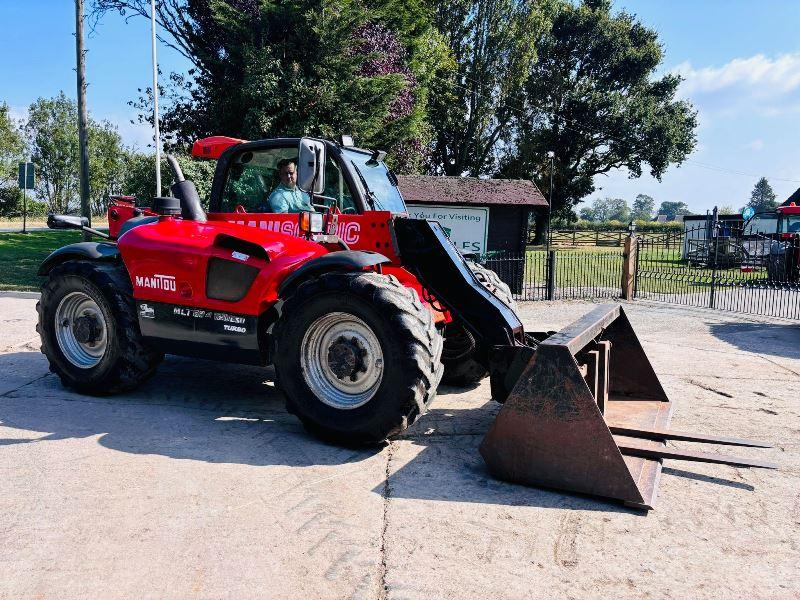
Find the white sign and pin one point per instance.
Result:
(466, 227)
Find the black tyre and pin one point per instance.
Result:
(89, 330)
(777, 265)
(462, 366)
(494, 284)
(357, 356)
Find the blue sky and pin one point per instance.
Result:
(741, 60)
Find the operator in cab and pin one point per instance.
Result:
(287, 197)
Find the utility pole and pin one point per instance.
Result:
(155, 96)
(83, 142)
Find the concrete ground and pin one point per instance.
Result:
(200, 485)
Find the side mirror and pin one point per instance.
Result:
(66, 222)
(311, 166)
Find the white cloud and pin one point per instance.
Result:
(756, 145)
(759, 73)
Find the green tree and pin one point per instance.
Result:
(493, 45)
(268, 68)
(106, 164)
(618, 210)
(606, 209)
(12, 145)
(643, 207)
(762, 198)
(139, 178)
(595, 99)
(12, 150)
(596, 211)
(727, 209)
(673, 209)
(52, 132)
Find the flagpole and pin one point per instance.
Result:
(155, 96)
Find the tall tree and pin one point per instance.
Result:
(52, 133)
(673, 210)
(643, 207)
(139, 178)
(106, 164)
(762, 198)
(492, 44)
(12, 144)
(594, 99)
(267, 68)
(606, 209)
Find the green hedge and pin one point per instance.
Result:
(648, 226)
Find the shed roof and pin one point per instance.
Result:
(428, 189)
(793, 198)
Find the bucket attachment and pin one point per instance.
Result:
(586, 413)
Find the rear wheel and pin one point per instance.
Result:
(777, 264)
(357, 356)
(462, 367)
(89, 330)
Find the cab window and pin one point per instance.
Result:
(254, 175)
(763, 224)
(336, 190)
(252, 178)
(792, 224)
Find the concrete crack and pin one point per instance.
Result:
(709, 388)
(383, 591)
(9, 392)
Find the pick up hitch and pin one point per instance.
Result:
(584, 411)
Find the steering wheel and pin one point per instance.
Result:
(240, 209)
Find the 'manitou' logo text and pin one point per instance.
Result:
(165, 283)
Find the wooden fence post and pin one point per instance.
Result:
(629, 261)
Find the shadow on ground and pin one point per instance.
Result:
(775, 339)
(218, 413)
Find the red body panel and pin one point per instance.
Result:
(792, 209)
(120, 210)
(214, 146)
(368, 231)
(187, 246)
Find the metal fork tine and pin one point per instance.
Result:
(669, 434)
(633, 449)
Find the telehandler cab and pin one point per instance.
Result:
(361, 310)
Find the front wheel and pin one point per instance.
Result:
(357, 356)
(89, 330)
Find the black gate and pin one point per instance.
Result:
(719, 266)
(559, 274)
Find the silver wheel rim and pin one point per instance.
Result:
(81, 330)
(330, 346)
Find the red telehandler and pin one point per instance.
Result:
(361, 310)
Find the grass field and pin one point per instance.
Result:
(662, 271)
(21, 255)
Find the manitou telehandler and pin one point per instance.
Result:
(361, 310)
